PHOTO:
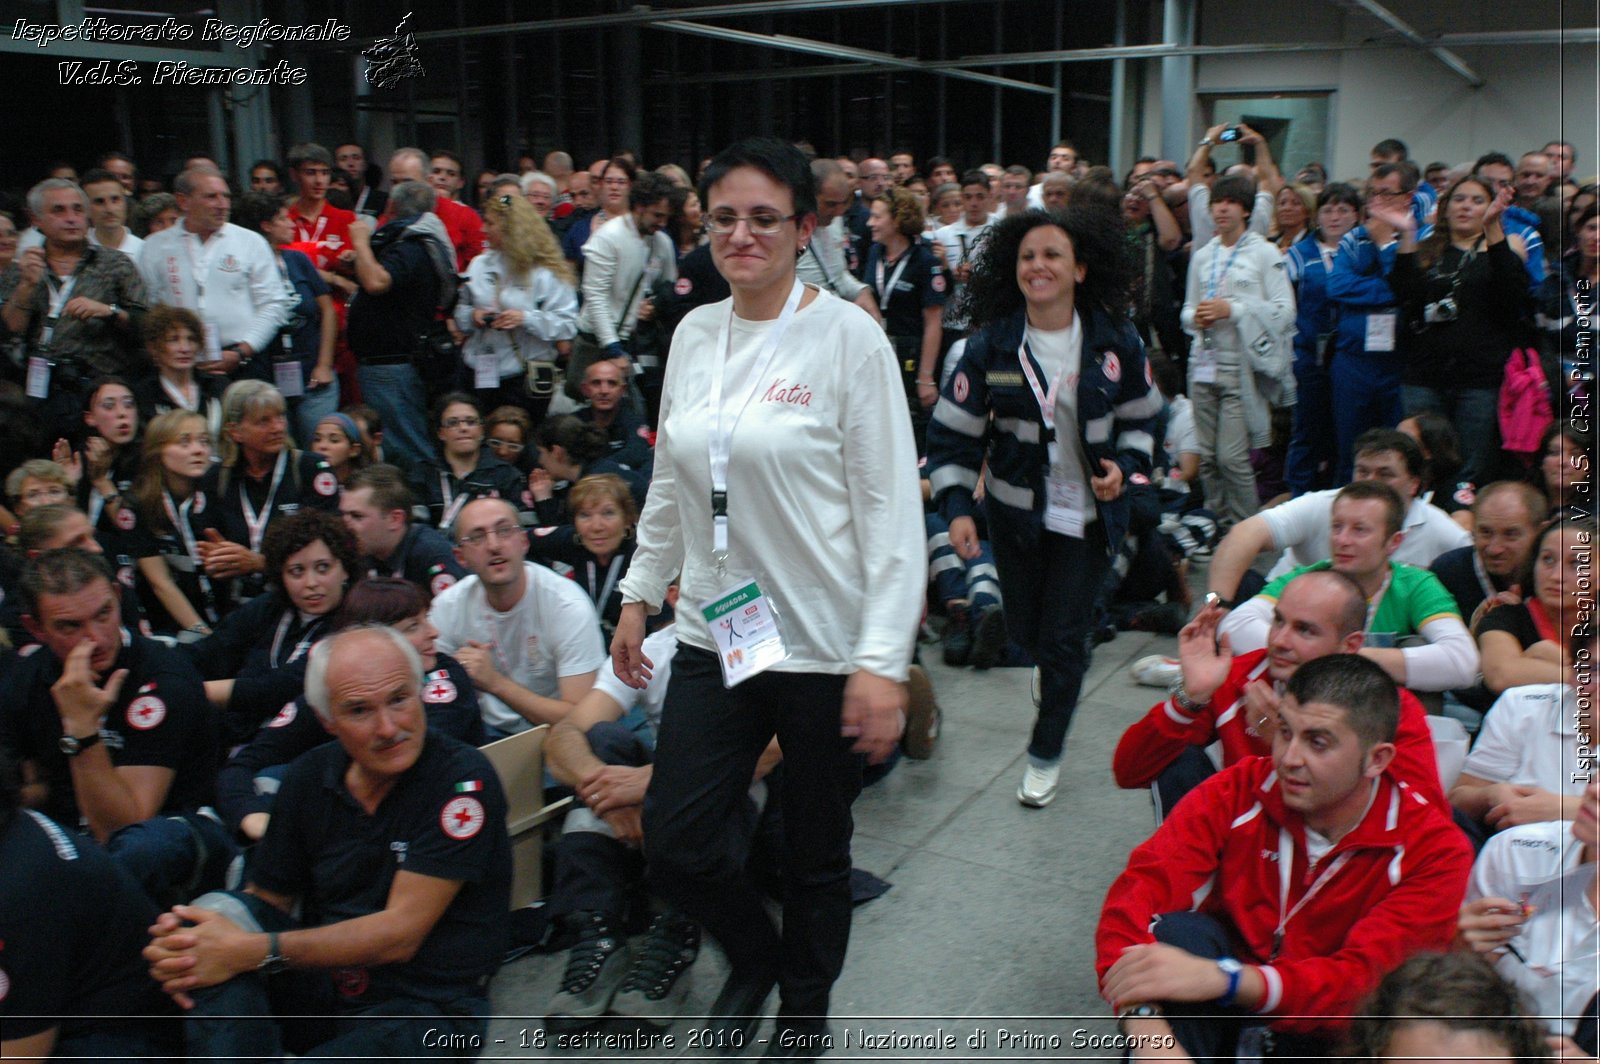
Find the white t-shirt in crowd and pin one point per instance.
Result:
(1558, 943)
(552, 632)
(1529, 737)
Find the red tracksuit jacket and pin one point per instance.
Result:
(1392, 888)
(1155, 740)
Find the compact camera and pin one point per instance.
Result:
(1442, 311)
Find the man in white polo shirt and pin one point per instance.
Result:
(529, 639)
(224, 273)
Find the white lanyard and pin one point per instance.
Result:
(1211, 285)
(1285, 870)
(1327, 253)
(293, 293)
(452, 502)
(827, 278)
(719, 440)
(315, 236)
(1047, 400)
(97, 506)
(257, 523)
(885, 294)
(611, 582)
(58, 299)
(1377, 600)
(299, 648)
(362, 200)
(179, 516)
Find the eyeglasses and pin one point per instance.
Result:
(761, 223)
(473, 539)
(505, 445)
(616, 181)
(462, 422)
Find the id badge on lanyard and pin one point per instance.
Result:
(1066, 509)
(743, 619)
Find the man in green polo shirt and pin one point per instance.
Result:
(1402, 600)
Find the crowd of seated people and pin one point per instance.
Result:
(317, 482)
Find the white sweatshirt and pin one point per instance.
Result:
(823, 502)
(240, 290)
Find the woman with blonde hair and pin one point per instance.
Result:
(170, 522)
(1294, 213)
(517, 302)
(908, 280)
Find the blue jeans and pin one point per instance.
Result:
(1475, 414)
(396, 393)
(311, 408)
(174, 857)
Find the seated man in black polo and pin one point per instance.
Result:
(626, 433)
(116, 729)
(376, 507)
(74, 983)
(392, 842)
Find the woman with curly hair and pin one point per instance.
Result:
(255, 662)
(1053, 400)
(908, 280)
(518, 300)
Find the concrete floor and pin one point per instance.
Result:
(988, 932)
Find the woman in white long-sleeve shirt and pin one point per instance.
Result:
(1240, 309)
(517, 302)
(785, 468)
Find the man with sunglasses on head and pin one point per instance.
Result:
(529, 639)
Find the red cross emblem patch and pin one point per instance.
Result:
(438, 690)
(462, 817)
(146, 711)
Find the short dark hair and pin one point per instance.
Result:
(301, 154)
(582, 441)
(388, 487)
(97, 176)
(975, 177)
(252, 210)
(1493, 158)
(60, 572)
(449, 399)
(650, 187)
(1363, 490)
(42, 523)
(380, 600)
(1375, 441)
(1408, 174)
(270, 164)
(1460, 991)
(782, 162)
(164, 317)
(1236, 188)
(1390, 147)
(295, 533)
(446, 153)
(1341, 192)
(1360, 687)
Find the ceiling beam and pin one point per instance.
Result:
(1445, 56)
(643, 14)
(784, 42)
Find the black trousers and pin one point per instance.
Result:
(1048, 585)
(696, 838)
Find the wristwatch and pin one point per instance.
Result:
(1180, 695)
(274, 962)
(72, 746)
(1136, 1012)
(1232, 969)
(1206, 142)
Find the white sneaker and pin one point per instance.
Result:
(1154, 670)
(1038, 786)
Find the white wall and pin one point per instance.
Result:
(1533, 93)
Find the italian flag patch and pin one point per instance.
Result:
(469, 786)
